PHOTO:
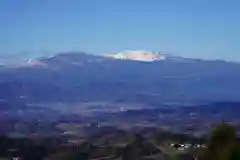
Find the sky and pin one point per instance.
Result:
(192, 28)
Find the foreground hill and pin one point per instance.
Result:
(223, 144)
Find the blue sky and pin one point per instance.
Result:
(192, 28)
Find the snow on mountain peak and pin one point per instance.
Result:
(31, 63)
(138, 55)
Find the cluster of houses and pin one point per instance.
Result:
(185, 146)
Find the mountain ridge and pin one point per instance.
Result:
(79, 57)
(86, 77)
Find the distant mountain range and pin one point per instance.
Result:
(129, 76)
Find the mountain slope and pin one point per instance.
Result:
(77, 76)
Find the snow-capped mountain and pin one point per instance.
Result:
(75, 58)
(138, 55)
(78, 76)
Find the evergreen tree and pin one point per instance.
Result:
(222, 144)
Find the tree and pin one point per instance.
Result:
(222, 143)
